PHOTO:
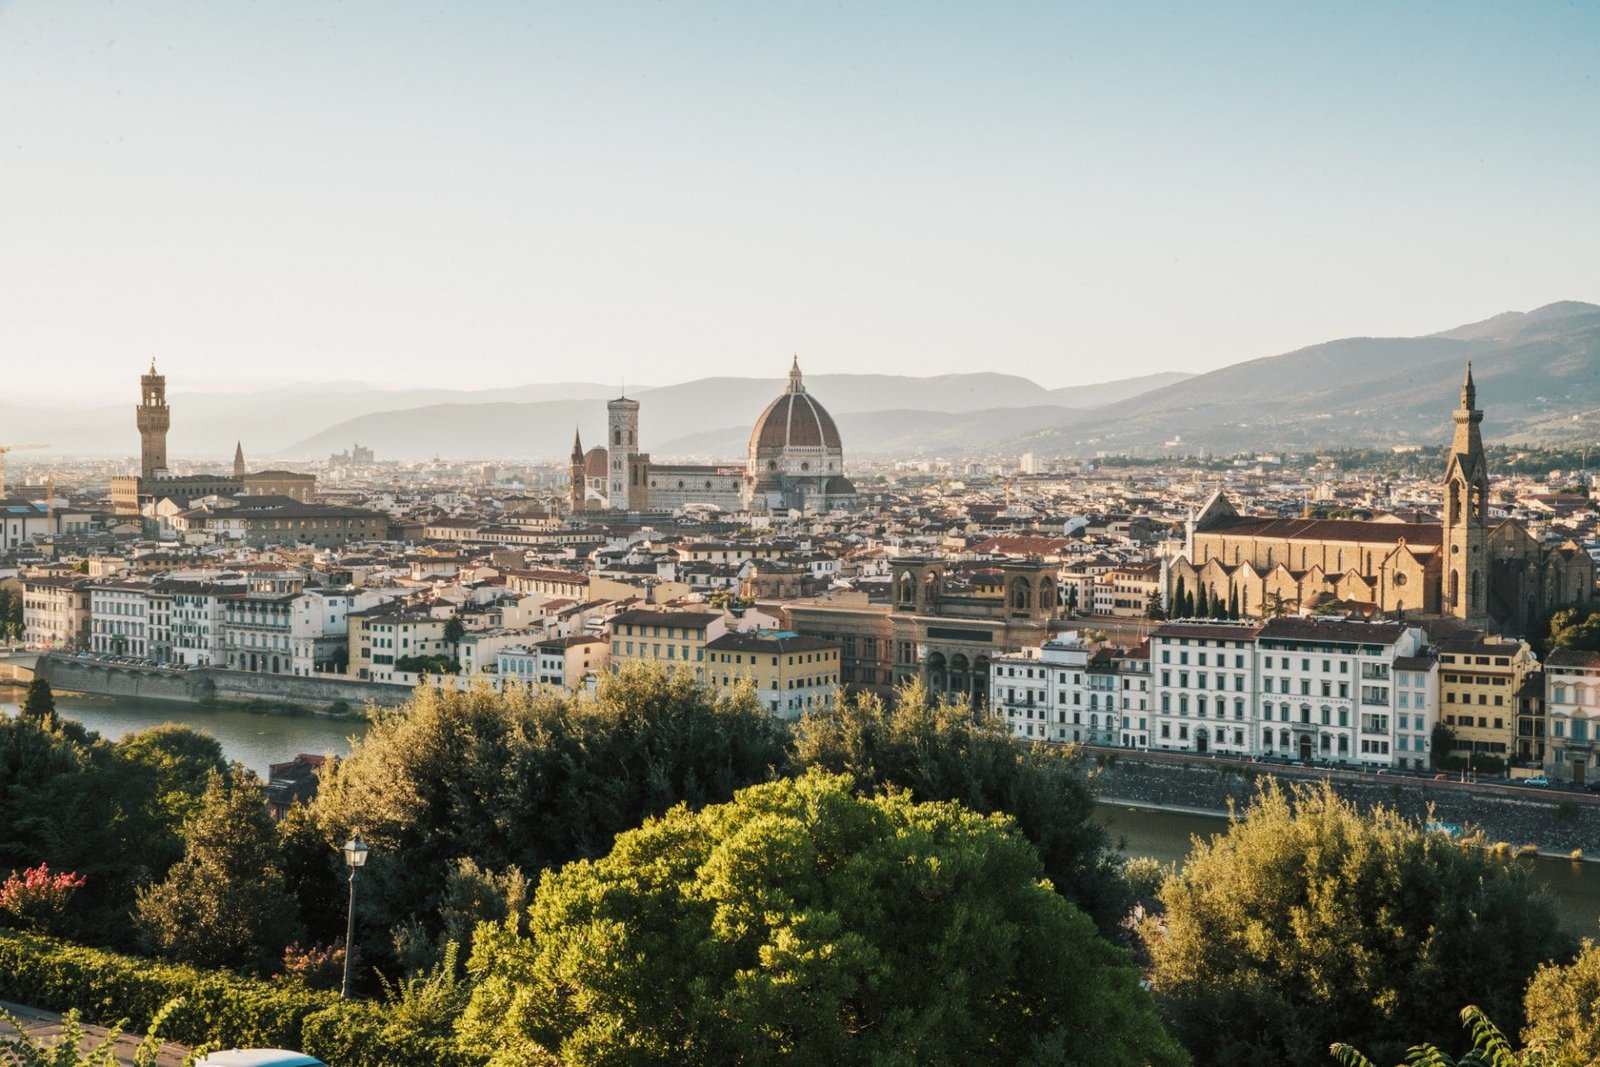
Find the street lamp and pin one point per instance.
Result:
(355, 857)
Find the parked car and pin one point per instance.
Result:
(1537, 779)
(258, 1057)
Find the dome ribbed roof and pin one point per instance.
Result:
(795, 420)
(595, 463)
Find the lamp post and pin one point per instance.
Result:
(355, 857)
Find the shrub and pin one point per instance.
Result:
(219, 1007)
(36, 900)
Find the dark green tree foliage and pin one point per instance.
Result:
(314, 873)
(180, 760)
(803, 924)
(1308, 923)
(1202, 605)
(1152, 606)
(428, 664)
(454, 630)
(40, 702)
(936, 751)
(1441, 742)
(1574, 628)
(225, 903)
(10, 615)
(68, 801)
(533, 781)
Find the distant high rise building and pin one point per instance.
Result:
(154, 418)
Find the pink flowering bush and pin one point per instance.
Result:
(36, 900)
(315, 966)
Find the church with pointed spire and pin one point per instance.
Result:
(795, 462)
(1486, 571)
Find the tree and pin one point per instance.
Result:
(1562, 1006)
(40, 702)
(1441, 742)
(180, 760)
(1574, 628)
(1202, 604)
(1180, 600)
(804, 924)
(1233, 602)
(1152, 606)
(68, 801)
(935, 750)
(1309, 922)
(533, 780)
(454, 630)
(225, 903)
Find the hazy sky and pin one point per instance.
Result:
(485, 192)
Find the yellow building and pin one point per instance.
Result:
(1479, 679)
(791, 674)
(664, 638)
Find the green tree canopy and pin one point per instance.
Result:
(1562, 1007)
(936, 750)
(225, 903)
(180, 760)
(532, 781)
(68, 801)
(39, 702)
(1575, 628)
(1308, 922)
(804, 924)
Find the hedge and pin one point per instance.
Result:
(219, 1007)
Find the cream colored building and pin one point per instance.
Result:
(1479, 679)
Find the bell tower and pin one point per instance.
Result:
(154, 417)
(576, 473)
(623, 490)
(1466, 516)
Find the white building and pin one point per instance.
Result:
(1572, 712)
(319, 625)
(1203, 687)
(1133, 697)
(55, 613)
(194, 630)
(1041, 693)
(119, 618)
(1328, 690)
(256, 632)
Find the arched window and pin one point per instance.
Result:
(1021, 593)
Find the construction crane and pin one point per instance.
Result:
(13, 448)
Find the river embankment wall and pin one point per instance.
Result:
(211, 685)
(1554, 822)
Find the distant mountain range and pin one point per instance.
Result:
(1538, 377)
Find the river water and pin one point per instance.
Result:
(254, 739)
(1165, 836)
